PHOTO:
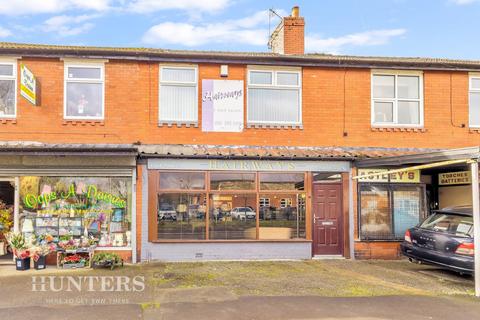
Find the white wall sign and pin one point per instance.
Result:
(222, 105)
(28, 85)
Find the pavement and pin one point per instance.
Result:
(341, 289)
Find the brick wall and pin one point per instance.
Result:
(336, 111)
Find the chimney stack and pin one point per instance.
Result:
(289, 36)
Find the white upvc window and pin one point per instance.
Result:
(474, 101)
(178, 94)
(274, 96)
(8, 88)
(84, 92)
(264, 202)
(397, 99)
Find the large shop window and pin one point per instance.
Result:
(474, 102)
(387, 211)
(178, 101)
(84, 91)
(98, 207)
(397, 99)
(274, 97)
(230, 206)
(8, 84)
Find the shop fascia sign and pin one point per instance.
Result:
(32, 201)
(380, 175)
(454, 178)
(28, 85)
(251, 165)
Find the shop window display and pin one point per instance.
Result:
(66, 207)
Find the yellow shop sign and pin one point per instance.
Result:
(28, 85)
(380, 175)
(453, 178)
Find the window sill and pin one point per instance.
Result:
(399, 129)
(274, 126)
(378, 240)
(83, 123)
(231, 241)
(8, 120)
(178, 124)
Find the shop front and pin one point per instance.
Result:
(222, 209)
(78, 192)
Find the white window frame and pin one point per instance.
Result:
(396, 74)
(274, 85)
(83, 80)
(264, 202)
(13, 63)
(472, 90)
(285, 202)
(177, 83)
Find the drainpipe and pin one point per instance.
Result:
(476, 224)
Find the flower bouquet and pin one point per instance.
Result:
(39, 254)
(70, 246)
(20, 250)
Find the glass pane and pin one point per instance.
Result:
(283, 217)
(6, 70)
(406, 209)
(287, 79)
(7, 97)
(258, 77)
(181, 216)
(182, 180)
(233, 216)
(84, 73)
(327, 177)
(383, 86)
(178, 103)
(375, 216)
(449, 223)
(232, 181)
(178, 75)
(408, 87)
(474, 108)
(274, 105)
(408, 112)
(84, 99)
(98, 208)
(383, 112)
(475, 83)
(282, 181)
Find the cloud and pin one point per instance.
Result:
(463, 2)
(367, 38)
(65, 25)
(251, 30)
(4, 32)
(147, 6)
(30, 7)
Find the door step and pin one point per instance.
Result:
(328, 257)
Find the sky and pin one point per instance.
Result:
(414, 28)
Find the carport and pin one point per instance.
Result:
(440, 169)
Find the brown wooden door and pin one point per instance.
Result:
(327, 219)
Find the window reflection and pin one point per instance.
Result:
(232, 181)
(181, 216)
(282, 181)
(282, 216)
(233, 216)
(182, 180)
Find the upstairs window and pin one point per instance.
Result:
(474, 102)
(274, 97)
(178, 101)
(8, 89)
(397, 99)
(84, 91)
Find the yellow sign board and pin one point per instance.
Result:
(28, 85)
(453, 178)
(380, 175)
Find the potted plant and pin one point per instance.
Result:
(20, 250)
(106, 260)
(74, 261)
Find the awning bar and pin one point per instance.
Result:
(419, 167)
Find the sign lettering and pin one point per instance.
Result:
(454, 178)
(380, 175)
(28, 85)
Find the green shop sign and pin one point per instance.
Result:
(32, 201)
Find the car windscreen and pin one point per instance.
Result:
(457, 225)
